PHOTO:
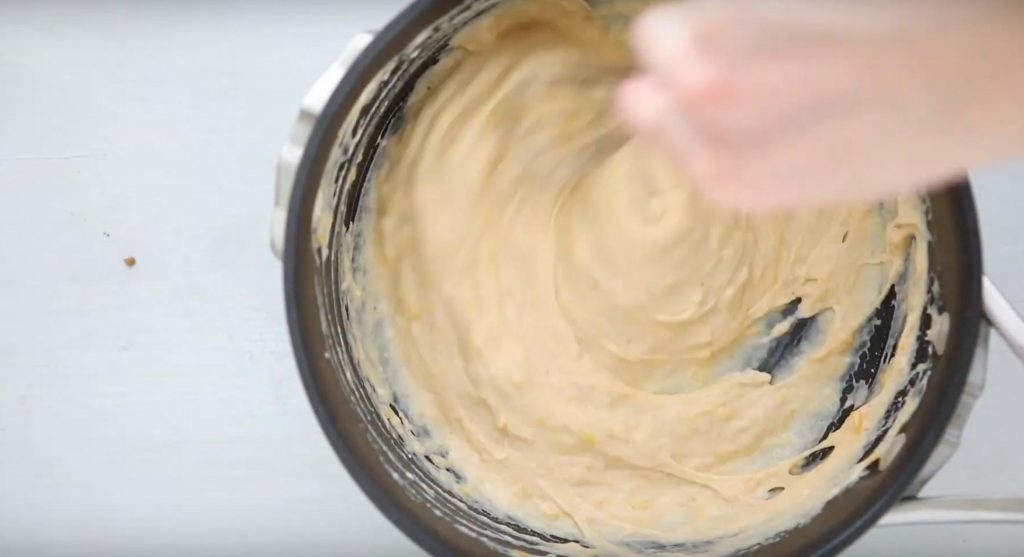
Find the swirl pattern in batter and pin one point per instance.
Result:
(596, 350)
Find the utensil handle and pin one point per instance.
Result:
(945, 510)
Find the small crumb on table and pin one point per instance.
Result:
(129, 261)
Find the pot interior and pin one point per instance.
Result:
(361, 418)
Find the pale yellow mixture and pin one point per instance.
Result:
(577, 329)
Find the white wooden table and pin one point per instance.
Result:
(156, 410)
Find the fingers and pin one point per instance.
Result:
(673, 99)
(649, 109)
(707, 95)
(770, 104)
(667, 40)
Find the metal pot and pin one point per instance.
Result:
(321, 173)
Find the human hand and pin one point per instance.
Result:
(786, 103)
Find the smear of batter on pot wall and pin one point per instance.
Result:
(594, 350)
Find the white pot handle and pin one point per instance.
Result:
(943, 510)
(1003, 318)
(959, 510)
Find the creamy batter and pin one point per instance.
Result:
(589, 343)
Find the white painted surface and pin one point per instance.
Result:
(156, 410)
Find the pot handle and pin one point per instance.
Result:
(1003, 318)
(955, 510)
(944, 510)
